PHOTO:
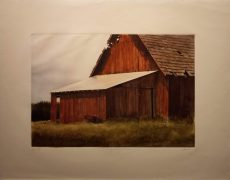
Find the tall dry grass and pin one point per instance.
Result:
(145, 133)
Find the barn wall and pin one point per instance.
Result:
(130, 103)
(124, 56)
(145, 97)
(181, 97)
(162, 96)
(133, 99)
(53, 108)
(75, 106)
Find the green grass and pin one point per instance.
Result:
(144, 133)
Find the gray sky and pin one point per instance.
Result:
(61, 59)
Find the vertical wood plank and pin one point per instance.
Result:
(62, 109)
(125, 56)
(53, 109)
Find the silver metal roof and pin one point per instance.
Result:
(100, 82)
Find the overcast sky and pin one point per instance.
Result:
(61, 59)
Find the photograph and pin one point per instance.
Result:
(113, 90)
(116, 89)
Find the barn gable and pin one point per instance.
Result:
(123, 55)
(171, 54)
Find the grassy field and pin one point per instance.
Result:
(145, 133)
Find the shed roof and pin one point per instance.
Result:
(100, 82)
(174, 54)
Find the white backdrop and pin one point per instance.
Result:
(208, 20)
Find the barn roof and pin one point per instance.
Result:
(100, 82)
(174, 54)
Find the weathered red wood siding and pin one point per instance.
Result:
(62, 106)
(53, 107)
(162, 95)
(134, 99)
(145, 97)
(158, 93)
(75, 106)
(181, 97)
(120, 104)
(124, 56)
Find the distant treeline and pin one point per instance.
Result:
(41, 111)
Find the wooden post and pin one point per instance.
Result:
(53, 108)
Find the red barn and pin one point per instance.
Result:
(136, 76)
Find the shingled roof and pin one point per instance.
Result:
(174, 54)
